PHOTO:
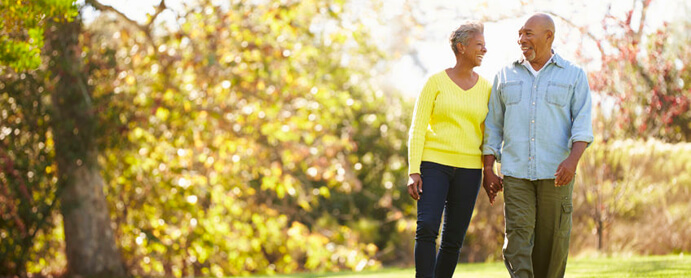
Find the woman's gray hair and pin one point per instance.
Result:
(464, 32)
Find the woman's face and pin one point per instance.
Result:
(475, 50)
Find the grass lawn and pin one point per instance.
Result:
(652, 266)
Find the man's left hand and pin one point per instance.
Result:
(565, 172)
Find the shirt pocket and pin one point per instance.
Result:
(558, 93)
(511, 92)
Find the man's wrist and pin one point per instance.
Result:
(573, 158)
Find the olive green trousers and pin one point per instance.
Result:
(538, 227)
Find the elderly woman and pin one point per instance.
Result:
(444, 153)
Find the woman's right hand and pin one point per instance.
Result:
(415, 186)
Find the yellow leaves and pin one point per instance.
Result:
(280, 191)
(235, 209)
(338, 38)
(130, 80)
(251, 130)
(169, 96)
(137, 133)
(324, 191)
(371, 249)
(187, 106)
(296, 229)
(402, 225)
(304, 205)
(162, 113)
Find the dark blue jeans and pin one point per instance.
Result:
(453, 191)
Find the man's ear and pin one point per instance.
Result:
(550, 36)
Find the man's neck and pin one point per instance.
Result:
(538, 63)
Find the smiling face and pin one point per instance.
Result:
(474, 51)
(535, 39)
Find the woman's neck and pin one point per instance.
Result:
(462, 70)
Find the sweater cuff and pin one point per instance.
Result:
(413, 169)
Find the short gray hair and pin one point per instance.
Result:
(464, 32)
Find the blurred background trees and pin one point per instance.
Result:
(642, 92)
(22, 26)
(258, 137)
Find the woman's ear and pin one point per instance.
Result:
(460, 47)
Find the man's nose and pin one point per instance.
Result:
(520, 39)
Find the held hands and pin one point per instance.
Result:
(565, 172)
(493, 184)
(415, 186)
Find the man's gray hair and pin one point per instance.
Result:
(464, 32)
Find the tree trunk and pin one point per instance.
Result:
(89, 240)
(600, 243)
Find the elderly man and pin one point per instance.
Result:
(539, 109)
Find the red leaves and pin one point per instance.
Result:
(628, 18)
(645, 80)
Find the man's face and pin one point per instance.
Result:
(533, 40)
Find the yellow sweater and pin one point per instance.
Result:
(448, 124)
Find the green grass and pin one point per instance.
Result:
(651, 266)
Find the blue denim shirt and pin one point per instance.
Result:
(537, 118)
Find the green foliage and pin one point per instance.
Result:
(22, 23)
(250, 139)
(27, 173)
(245, 141)
(634, 183)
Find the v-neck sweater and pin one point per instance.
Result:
(448, 124)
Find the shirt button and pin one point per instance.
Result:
(533, 139)
(533, 103)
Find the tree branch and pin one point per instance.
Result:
(146, 29)
(159, 9)
(644, 10)
(582, 30)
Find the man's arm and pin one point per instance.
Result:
(567, 169)
(494, 123)
(581, 110)
(493, 137)
(581, 131)
(492, 183)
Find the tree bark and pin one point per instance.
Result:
(89, 240)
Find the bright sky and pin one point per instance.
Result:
(439, 17)
(500, 36)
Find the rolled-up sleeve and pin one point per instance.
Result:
(494, 123)
(581, 108)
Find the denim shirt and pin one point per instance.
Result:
(537, 118)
